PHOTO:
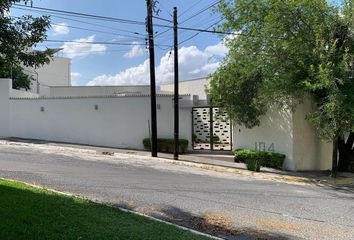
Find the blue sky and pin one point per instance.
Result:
(104, 64)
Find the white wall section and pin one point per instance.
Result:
(118, 121)
(274, 134)
(5, 89)
(118, 116)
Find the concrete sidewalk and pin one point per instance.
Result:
(220, 162)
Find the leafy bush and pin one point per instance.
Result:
(216, 139)
(253, 165)
(166, 145)
(266, 159)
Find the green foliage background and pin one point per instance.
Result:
(283, 52)
(17, 37)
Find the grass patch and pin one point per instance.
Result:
(31, 213)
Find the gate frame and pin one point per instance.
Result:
(211, 129)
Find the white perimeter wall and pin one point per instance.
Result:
(275, 132)
(22, 93)
(86, 91)
(123, 122)
(5, 88)
(119, 122)
(290, 133)
(310, 152)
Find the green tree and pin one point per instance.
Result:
(17, 36)
(284, 51)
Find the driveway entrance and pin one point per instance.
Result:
(211, 129)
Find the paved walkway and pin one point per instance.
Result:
(229, 205)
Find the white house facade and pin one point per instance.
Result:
(119, 116)
(56, 73)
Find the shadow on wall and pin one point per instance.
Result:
(310, 152)
(275, 133)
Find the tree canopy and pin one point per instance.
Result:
(18, 35)
(284, 51)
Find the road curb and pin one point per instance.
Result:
(269, 176)
(340, 181)
(120, 208)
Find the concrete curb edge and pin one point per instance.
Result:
(223, 169)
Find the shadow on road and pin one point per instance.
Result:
(214, 224)
(346, 192)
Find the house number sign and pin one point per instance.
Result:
(262, 146)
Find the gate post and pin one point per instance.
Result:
(211, 129)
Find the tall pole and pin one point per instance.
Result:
(176, 95)
(152, 79)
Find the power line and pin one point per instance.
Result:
(97, 17)
(92, 30)
(99, 42)
(201, 11)
(217, 32)
(164, 8)
(209, 31)
(134, 22)
(163, 19)
(99, 31)
(205, 30)
(190, 8)
(203, 22)
(159, 34)
(200, 23)
(80, 21)
(87, 42)
(84, 15)
(103, 51)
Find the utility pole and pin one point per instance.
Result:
(176, 95)
(150, 31)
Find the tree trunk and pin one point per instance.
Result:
(346, 153)
(335, 157)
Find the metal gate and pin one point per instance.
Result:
(211, 129)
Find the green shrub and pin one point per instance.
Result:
(216, 139)
(167, 145)
(253, 165)
(266, 159)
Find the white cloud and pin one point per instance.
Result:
(219, 49)
(61, 29)
(131, 76)
(83, 47)
(193, 63)
(135, 51)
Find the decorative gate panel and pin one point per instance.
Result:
(209, 122)
(201, 129)
(222, 131)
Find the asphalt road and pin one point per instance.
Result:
(233, 205)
